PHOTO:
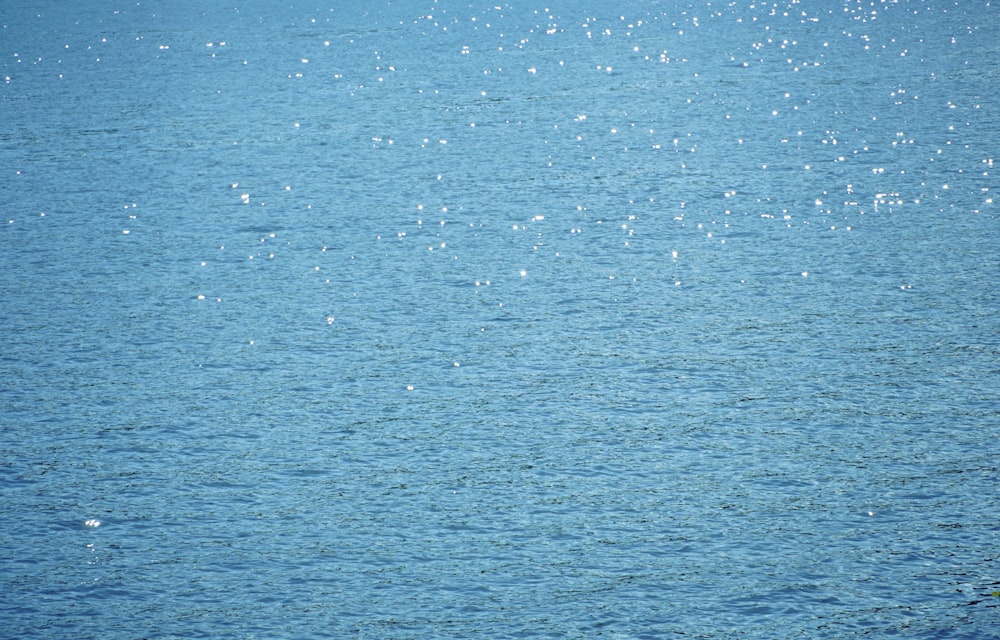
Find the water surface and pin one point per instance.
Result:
(440, 320)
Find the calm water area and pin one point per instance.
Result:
(453, 319)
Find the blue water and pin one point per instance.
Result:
(443, 319)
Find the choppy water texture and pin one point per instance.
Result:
(454, 320)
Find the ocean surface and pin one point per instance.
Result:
(452, 319)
